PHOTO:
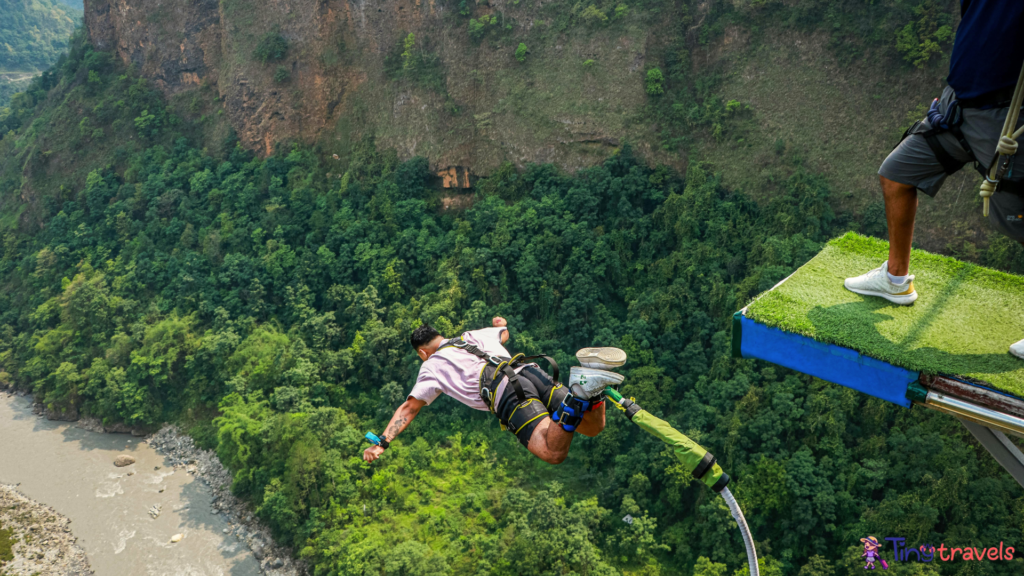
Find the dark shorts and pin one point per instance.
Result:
(913, 162)
(543, 396)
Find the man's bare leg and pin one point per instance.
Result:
(549, 442)
(593, 422)
(900, 211)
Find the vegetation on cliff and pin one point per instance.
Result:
(266, 303)
(33, 35)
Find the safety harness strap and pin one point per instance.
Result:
(948, 121)
(502, 367)
(550, 361)
(949, 164)
(513, 380)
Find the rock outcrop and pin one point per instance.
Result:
(337, 81)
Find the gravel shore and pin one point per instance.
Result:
(43, 542)
(182, 454)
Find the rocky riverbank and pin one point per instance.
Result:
(182, 453)
(41, 540)
(177, 454)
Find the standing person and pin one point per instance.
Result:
(542, 413)
(963, 126)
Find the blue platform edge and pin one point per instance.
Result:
(829, 362)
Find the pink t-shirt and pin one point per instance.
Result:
(457, 373)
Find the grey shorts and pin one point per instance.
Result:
(914, 163)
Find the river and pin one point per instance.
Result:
(71, 470)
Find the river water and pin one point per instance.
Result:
(72, 471)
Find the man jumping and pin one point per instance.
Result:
(475, 370)
(962, 126)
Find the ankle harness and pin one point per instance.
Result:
(570, 412)
(491, 375)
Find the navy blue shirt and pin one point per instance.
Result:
(989, 47)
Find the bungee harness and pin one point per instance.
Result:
(1000, 167)
(494, 370)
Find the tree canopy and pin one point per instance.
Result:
(266, 304)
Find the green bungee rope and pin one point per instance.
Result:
(695, 458)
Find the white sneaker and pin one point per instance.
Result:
(593, 381)
(877, 283)
(601, 358)
(1018, 349)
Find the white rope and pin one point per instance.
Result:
(1007, 145)
(748, 540)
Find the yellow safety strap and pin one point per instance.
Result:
(541, 415)
(516, 409)
(552, 394)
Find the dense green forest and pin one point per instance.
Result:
(266, 304)
(34, 33)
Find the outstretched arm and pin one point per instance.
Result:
(403, 416)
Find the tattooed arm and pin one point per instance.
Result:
(403, 416)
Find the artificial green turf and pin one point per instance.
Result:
(963, 322)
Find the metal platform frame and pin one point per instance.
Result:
(1000, 447)
(987, 413)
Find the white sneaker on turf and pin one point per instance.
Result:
(601, 358)
(877, 283)
(1017, 349)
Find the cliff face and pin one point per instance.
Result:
(139, 34)
(471, 103)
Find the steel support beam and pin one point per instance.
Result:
(1000, 447)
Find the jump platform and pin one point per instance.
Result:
(948, 351)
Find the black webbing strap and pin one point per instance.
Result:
(949, 164)
(550, 360)
(513, 380)
(505, 366)
(705, 464)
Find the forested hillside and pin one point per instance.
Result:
(33, 34)
(154, 269)
(159, 265)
